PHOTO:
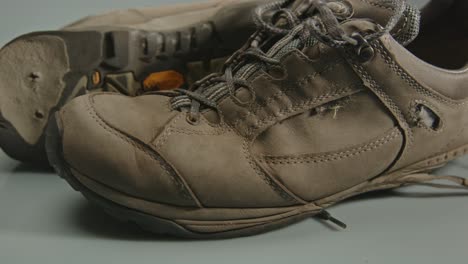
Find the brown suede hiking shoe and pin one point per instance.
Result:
(128, 51)
(324, 103)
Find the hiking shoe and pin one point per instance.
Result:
(128, 52)
(325, 103)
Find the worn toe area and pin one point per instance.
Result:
(101, 143)
(142, 117)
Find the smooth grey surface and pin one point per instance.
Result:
(42, 220)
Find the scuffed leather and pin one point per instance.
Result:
(330, 123)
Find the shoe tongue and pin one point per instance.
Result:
(379, 11)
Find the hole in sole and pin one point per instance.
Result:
(34, 76)
(39, 115)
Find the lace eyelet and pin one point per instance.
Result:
(365, 54)
(193, 120)
(364, 50)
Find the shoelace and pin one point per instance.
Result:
(423, 179)
(323, 26)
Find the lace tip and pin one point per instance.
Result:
(338, 223)
(328, 217)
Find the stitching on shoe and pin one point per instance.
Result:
(384, 97)
(171, 129)
(177, 180)
(301, 82)
(215, 126)
(259, 106)
(372, 3)
(200, 133)
(265, 177)
(298, 106)
(163, 137)
(330, 157)
(113, 189)
(309, 78)
(271, 98)
(270, 182)
(412, 82)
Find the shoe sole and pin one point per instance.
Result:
(159, 222)
(40, 72)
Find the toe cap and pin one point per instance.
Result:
(142, 117)
(105, 147)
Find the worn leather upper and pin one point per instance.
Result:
(330, 123)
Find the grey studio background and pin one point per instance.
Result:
(42, 220)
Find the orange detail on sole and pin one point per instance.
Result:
(96, 78)
(165, 80)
